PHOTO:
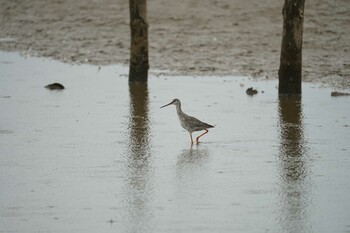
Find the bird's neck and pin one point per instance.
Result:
(178, 109)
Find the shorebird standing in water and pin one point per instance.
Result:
(191, 124)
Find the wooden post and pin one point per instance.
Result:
(289, 73)
(138, 71)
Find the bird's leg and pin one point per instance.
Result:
(191, 138)
(206, 131)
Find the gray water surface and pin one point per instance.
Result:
(101, 156)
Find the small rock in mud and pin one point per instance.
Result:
(55, 86)
(337, 93)
(251, 91)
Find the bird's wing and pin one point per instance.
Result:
(197, 124)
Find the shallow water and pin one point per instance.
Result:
(101, 156)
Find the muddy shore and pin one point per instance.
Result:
(186, 37)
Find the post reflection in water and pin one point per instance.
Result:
(139, 167)
(293, 156)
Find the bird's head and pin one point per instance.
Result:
(175, 102)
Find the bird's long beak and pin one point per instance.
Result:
(167, 104)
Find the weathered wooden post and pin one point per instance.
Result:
(289, 73)
(138, 71)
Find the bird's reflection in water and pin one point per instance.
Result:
(294, 166)
(192, 175)
(139, 166)
(193, 157)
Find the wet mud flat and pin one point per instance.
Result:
(187, 37)
(101, 156)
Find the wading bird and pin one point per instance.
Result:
(191, 124)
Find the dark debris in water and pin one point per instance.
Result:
(251, 91)
(111, 221)
(55, 86)
(337, 93)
